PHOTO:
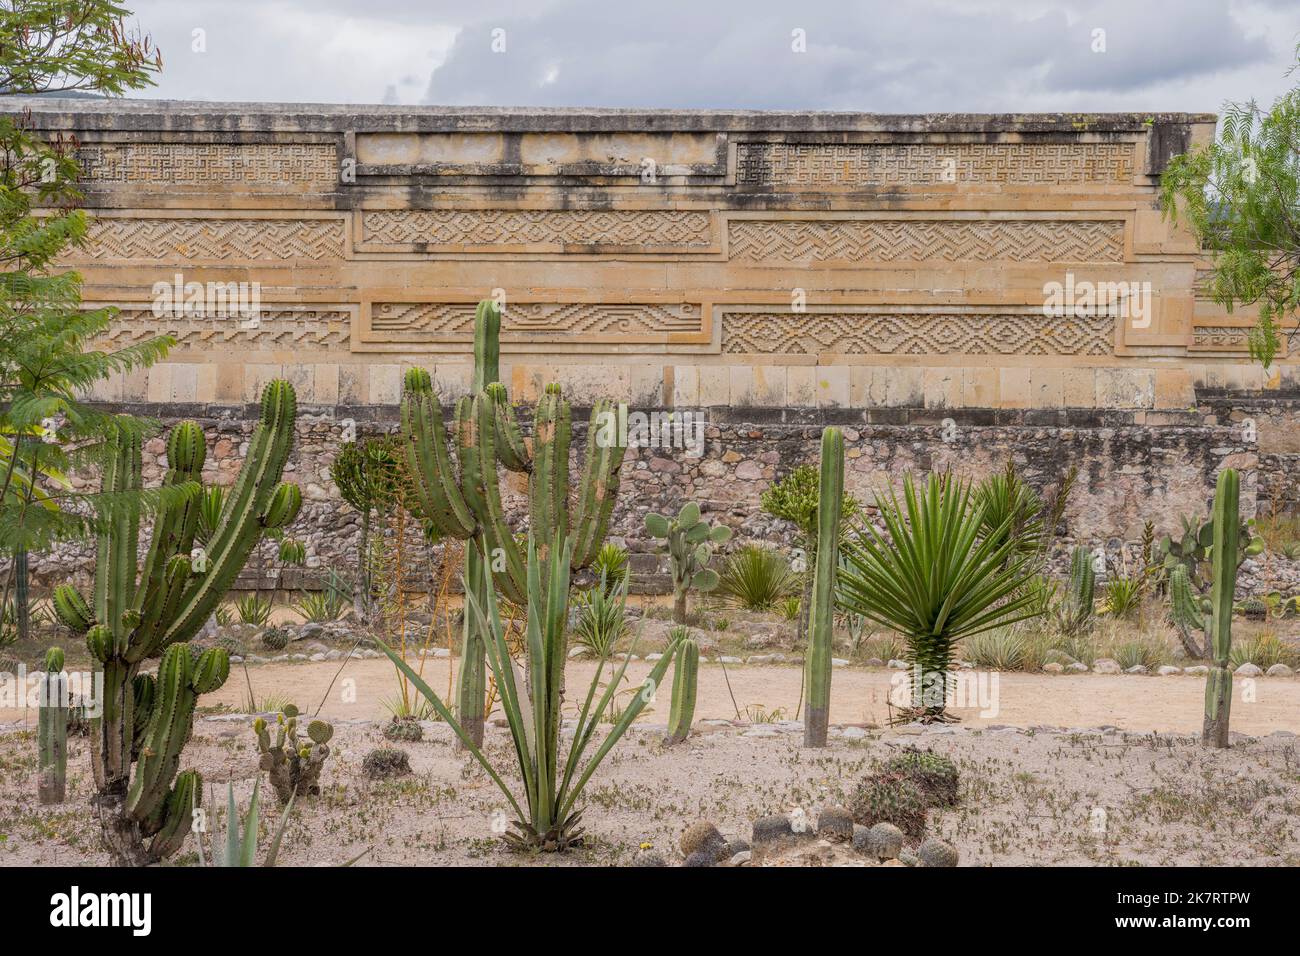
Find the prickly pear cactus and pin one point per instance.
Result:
(149, 612)
(690, 541)
(293, 762)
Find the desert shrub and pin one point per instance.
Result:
(602, 617)
(789, 607)
(610, 566)
(1149, 650)
(890, 798)
(1277, 531)
(999, 650)
(933, 774)
(756, 578)
(253, 610)
(1262, 650)
(886, 647)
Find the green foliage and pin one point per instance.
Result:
(62, 46)
(321, 607)
(933, 774)
(142, 612)
(254, 609)
(1003, 649)
(890, 798)
(1241, 197)
(611, 566)
(690, 541)
(757, 579)
(936, 577)
(795, 499)
(552, 787)
(275, 638)
(602, 618)
(1074, 612)
(1123, 595)
(239, 848)
(1263, 650)
(1012, 511)
(789, 607)
(1150, 651)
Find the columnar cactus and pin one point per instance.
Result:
(1223, 585)
(690, 542)
(1074, 614)
(467, 504)
(686, 673)
(52, 730)
(821, 612)
(293, 763)
(147, 720)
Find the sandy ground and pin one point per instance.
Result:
(1029, 795)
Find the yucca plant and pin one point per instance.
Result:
(602, 617)
(548, 818)
(1123, 596)
(756, 579)
(1012, 510)
(935, 575)
(610, 566)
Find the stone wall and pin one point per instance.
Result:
(772, 271)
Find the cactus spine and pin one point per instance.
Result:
(690, 542)
(52, 730)
(821, 612)
(146, 720)
(686, 671)
(468, 504)
(1190, 613)
(1223, 585)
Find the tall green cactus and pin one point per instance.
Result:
(690, 541)
(1223, 586)
(146, 720)
(468, 504)
(52, 730)
(686, 672)
(821, 613)
(1074, 613)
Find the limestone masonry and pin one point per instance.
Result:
(956, 288)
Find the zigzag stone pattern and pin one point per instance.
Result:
(201, 238)
(277, 166)
(1221, 337)
(924, 164)
(572, 321)
(947, 240)
(276, 330)
(951, 332)
(679, 229)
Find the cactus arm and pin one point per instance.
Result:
(478, 454)
(487, 345)
(509, 442)
(116, 547)
(429, 463)
(830, 497)
(175, 525)
(599, 487)
(241, 522)
(72, 609)
(549, 469)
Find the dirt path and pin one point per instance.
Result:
(858, 695)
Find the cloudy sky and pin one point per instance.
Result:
(893, 56)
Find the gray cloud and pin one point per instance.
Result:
(895, 56)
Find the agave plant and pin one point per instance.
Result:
(756, 579)
(1011, 509)
(935, 575)
(602, 617)
(548, 818)
(253, 610)
(240, 848)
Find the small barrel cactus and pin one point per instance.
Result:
(386, 762)
(275, 638)
(933, 774)
(890, 798)
(294, 763)
(404, 728)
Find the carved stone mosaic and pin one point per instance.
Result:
(274, 165)
(275, 329)
(189, 239)
(677, 229)
(538, 321)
